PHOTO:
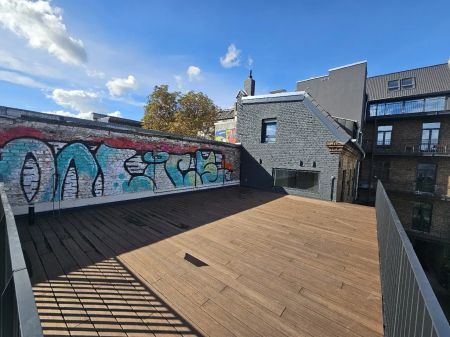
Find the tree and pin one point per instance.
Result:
(161, 108)
(190, 114)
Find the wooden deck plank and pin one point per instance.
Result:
(230, 262)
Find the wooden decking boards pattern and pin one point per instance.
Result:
(225, 262)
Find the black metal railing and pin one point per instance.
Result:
(410, 307)
(419, 188)
(413, 147)
(18, 313)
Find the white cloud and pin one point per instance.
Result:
(193, 72)
(117, 86)
(42, 26)
(115, 114)
(83, 115)
(179, 81)
(231, 59)
(13, 77)
(78, 100)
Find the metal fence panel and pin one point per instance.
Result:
(410, 307)
(18, 312)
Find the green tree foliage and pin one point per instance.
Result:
(190, 114)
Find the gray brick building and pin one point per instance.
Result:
(291, 145)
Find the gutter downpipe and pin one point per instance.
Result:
(355, 142)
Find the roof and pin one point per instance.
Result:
(327, 120)
(225, 114)
(165, 266)
(433, 79)
(334, 69)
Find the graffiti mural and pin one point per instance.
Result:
(43, 171)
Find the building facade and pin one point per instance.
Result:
(406, 135)
(291, 145)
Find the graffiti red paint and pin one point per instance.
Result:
(20, 131)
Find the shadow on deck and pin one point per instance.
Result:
(222, 262)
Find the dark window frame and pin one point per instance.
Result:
(384, 132)
(393, 88)
(314, 189)
(408, 87)
(425, 184)
(419, 221)
(264, 124)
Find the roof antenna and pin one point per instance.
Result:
(250, 75)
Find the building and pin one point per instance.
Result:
(341, 92)
(225, 126)
(407, 144)
(292, 145)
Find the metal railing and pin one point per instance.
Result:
(18, 313)
(406, 146)
(410, 307)
(419, 188)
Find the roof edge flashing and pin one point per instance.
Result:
(300, 94)
(348, 65)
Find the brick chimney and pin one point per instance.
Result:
(249, 85)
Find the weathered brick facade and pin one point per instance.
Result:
(64, 162)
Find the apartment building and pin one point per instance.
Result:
(406, 137)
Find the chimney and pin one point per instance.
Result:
(249, 85)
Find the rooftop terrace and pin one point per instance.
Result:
(227, 262)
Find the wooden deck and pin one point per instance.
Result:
(227, 262)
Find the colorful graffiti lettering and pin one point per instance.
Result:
(42, 171)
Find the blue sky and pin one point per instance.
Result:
(73, 57)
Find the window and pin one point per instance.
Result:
(269, 130)
(430, 137)
(381, 170)
(421, 217)
(393, 85)
(408, 83)
(434, 104)
(302, 180)
(384, 134)
(426, 178)
(429, 104)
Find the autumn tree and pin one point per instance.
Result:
(161, 109)
(190, 114)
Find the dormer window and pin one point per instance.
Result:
(408, 83)
(394, 85)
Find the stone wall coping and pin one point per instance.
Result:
(15, 113)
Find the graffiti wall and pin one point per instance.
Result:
(52, 164)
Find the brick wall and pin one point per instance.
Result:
(301, 140)
(66, 162)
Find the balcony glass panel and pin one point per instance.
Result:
(394, 108)
(435, 104)
(413, 106)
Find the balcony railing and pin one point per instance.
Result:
(18, 313)
(410, 307)
(419, 188)
(406, 147)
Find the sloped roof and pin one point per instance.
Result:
(429, 80)
(225, 114)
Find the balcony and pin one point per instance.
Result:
(409, 148)
(419, 188)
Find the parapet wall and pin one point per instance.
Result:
(57, 162)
